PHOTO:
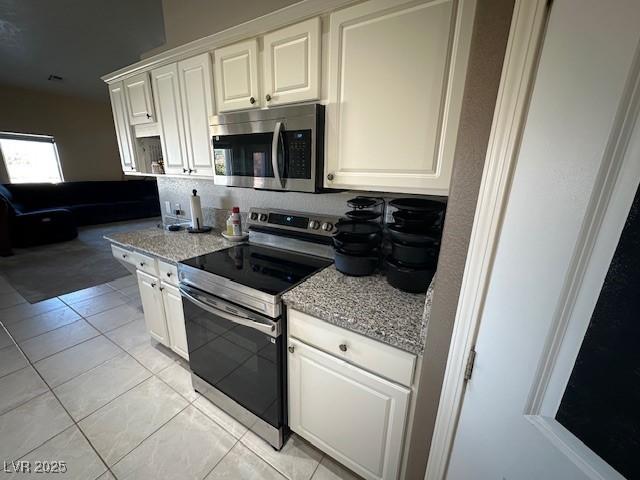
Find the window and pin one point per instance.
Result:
(30, 158)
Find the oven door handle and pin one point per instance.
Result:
(274, 153)
(269, 329)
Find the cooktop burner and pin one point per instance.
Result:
(267, 269)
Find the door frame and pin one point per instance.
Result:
(518, 72)
(613, 193)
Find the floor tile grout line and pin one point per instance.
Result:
(26, 401)
(92, 368)
(151, 434)
(224, 456)
(53, 329)
(65, 348)
(29, 317)
(68, 414)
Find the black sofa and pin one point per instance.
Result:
(39, 213)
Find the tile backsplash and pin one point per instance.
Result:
(217, 200)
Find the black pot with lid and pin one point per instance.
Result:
(358, 237)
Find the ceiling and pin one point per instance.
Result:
(78, 40)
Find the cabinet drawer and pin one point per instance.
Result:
(384, 360)
(145, 263)
(168, 272)
(122, 254)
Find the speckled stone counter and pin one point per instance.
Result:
(170, 246)
(366, 305)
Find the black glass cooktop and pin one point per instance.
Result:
(269, 270)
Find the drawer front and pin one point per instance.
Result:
(379, 358)
(122, 254)
(168, 272)
(145, 263)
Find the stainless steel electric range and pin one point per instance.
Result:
(234, 318)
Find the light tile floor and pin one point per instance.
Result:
(81, 381)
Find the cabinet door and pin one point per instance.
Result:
(236, 76)
(139, 99)
(394, 101)
(196, 89)
(169, 112)
(123, 130)
(292, 63)
(153, 308)
(175, 320)
(358, 418)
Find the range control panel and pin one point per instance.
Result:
(310, 223)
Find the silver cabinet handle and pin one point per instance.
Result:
(343, 347)
(274, 153)
(291, 348)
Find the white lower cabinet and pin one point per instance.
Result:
(163, 314)
(152, 304)
(175, 319)
(353, 415)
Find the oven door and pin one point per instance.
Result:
(239, 354)
(274, 154)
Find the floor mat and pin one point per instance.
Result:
(51, 270)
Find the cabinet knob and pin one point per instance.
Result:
(330, 177)
(343, 347)
(142, 264)
(267, 97)
(185, 170)
(153, 285)
(191, 171)
(252, 100)
(148, 116)
(124, 255)
(168, 274)
(161, 288)
(291, 348)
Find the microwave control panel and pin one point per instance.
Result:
(298, 146)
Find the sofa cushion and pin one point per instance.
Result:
(43, 226)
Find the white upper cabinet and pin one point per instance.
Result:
(236, 75)
(139, 99)
(121, 123)
(169, 112)
(196, 91)
(396, 80)
(292, 64)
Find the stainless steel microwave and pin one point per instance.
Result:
(276, 149)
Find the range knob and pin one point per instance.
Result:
(254, 216)
(263, 217)
(327, 227)
(314, 224)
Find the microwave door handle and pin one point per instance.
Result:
(274, 153)
(263, 327)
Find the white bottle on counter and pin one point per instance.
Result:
(236, 221)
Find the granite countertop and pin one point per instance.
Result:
(170, 246)
(365, 305)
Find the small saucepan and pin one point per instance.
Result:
(417, 223)
(356, 265)
(414, 254)
(399, 234)
(407, 278)
(358, 231)
(346, 244)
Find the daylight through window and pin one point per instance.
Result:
(30, 158)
